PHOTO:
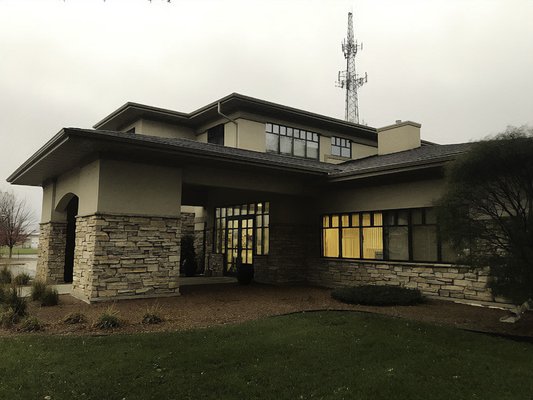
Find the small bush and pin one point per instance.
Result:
(75, 318)
(3, 293)
(8, 318)
(31, 324)
(13, 299)
(22, 279)
(108, 319)
(152, 315)
(50, 297)
(378, 295)
(5, 275)
(37, 290)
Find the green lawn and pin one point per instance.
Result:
(327, 355)
(4, 251)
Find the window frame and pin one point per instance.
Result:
(384, 225)
(337, 142)
(217, 132)
(220, 237)
(285, 131)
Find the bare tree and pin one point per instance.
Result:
(15, 221)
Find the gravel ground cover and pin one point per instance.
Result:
(211, 305)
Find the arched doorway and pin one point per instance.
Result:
(72, 211)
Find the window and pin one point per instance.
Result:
(291, 141)
(341, 147)
(397, 235)
(225, 220)
(215, 135)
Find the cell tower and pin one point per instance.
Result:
(349, 79)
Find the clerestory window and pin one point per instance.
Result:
(291, 141)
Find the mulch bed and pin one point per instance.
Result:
(212, 305)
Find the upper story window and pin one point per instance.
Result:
(341, 147)
(215, 135)
(291, 141)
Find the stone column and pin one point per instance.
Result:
(118, 257)
(51, 252)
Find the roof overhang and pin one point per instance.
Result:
(73, 147)
(389, 170)
(235, 102)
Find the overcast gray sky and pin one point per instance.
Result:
(462, 68)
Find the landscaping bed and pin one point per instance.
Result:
(212, 305)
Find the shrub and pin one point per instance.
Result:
(152, 315)
(75, 318)
(5, 275)
(3, 293)
(378, 295)
(188, 256)
(37, 290)
(50, 297)
(8, 318)
(22, 279)
(31, 324)
(13, 300)
(108, 319)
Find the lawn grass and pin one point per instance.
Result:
(326, 355)
(4, 251)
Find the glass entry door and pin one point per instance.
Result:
(239, 244)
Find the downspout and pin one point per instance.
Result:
(231, 120)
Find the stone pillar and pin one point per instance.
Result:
(51, 252)
(118, 257)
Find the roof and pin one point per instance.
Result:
(71, 146)
(130, 112)
(421, 156)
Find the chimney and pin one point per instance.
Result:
(398, 137)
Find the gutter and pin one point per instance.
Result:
(219, 111)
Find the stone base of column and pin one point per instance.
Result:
(51, 252)
(125, 257)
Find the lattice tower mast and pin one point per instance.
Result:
(348, 79)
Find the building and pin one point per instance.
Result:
(302, 197)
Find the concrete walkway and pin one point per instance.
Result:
(66, 288)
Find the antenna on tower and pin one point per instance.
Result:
(348, 79)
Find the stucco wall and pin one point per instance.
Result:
(162, 129)
(83, 182)
(361, 151)
(252, 136)
(399, 137)
(109, 186)
(139, 189)
(421, 193)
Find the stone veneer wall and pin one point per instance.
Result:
(286, 261)
(51, 252)
(214, 264)
(450, 281)
(187, 224)
(120, 256)
(199, 243)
